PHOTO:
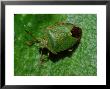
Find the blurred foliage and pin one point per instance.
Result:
(82, 62)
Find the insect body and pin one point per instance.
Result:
(57, 38)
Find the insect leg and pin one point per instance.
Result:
(41, 54)
(34, 39)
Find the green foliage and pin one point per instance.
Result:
(82, 62)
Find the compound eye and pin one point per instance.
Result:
(76, 32)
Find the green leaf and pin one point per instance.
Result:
(82, 62)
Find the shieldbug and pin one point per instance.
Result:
(57, 38)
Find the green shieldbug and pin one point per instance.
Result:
(57, 38)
